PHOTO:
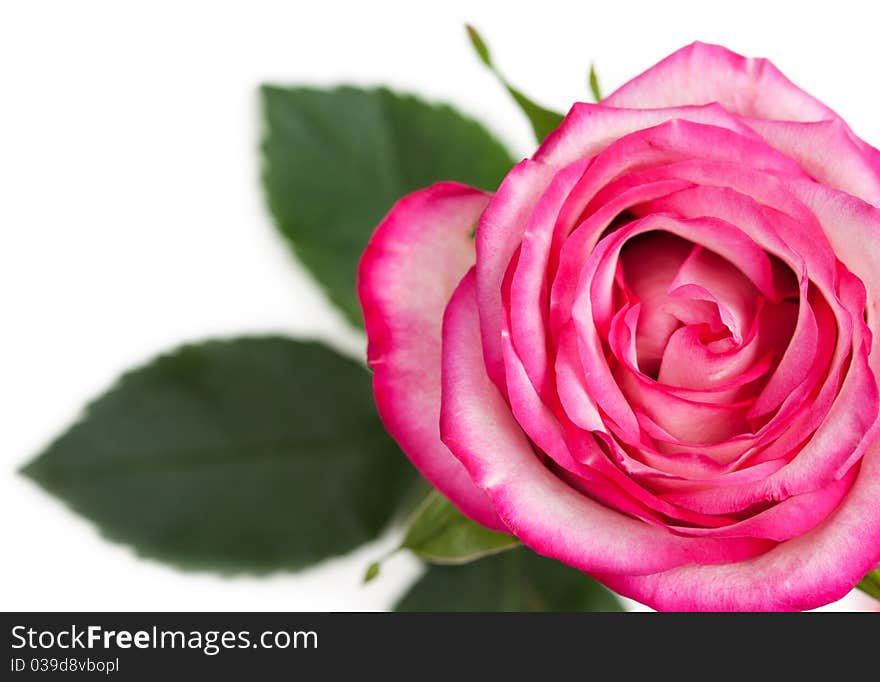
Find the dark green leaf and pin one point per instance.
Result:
(594, 84)
(335, 161)
(871, 584)
(439, 533)
(543, 120)
(518, 580)
(251, 454)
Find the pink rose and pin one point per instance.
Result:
(657, 359)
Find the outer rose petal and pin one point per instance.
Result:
(808, 571)
(589, 128)
(829, 152)
(498, 237)
(407, 273)
(702, 74)
(853, 228)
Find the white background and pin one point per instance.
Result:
(132, 219)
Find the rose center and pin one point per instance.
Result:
(689, 321)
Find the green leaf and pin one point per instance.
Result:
(439, 533)
(372, 571)
(870, 584)
(479, 45)
(251, 454)
(335, 161)
(518, 580)
(543, 120)
(594, 84)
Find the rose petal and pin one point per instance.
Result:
(787, 519)
(588, 129)
(498, 235)
(807, 571)
(828, 151)
(853, 228)
(701, 74)
(529, 289)
(707, 276)
(412, 264)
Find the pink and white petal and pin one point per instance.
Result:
(588, 129)
(803, 573)
(688, 421)
(847, 431)
(575, 249)
(805, 352)
(707, 376)
(688, 363)
(711, 277)
(578, 399)
(498, 237)
(702, 74)
(529, 288)
(656, 322)
(795, 242)
(766, 186)
(853, 228)
(408, 271)
(665, 473)
(674, 141)
(543, 511)
(787, 519)
(828, 151)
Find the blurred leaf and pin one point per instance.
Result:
(441, 534)
(414, 498)
(870, 584)
(250, 454)
(372, 571)
(543, 121)
(594, 84)
(335, 161)
(518, 580)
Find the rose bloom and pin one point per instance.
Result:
(656, 358)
